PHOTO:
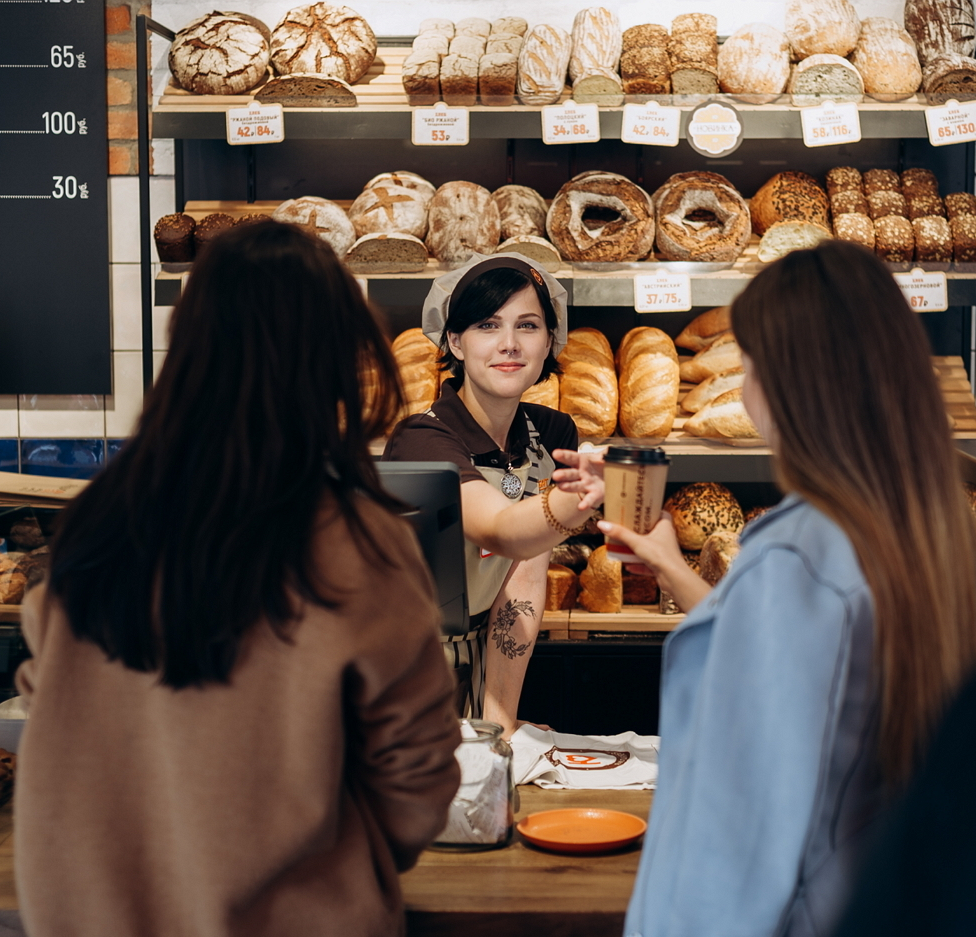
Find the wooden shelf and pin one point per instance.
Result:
(578, 624)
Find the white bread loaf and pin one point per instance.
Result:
(711, 388)
(818, 26)
(644, 340)
(754, 61)
(886, 58)
(416, 358)
(722, 355)
(387, 253)
(705, 328)
(786, 236)
(940, 27)
(588, 384)
(724, 417)
(388, 209)
(545, 394)
(220, 53)
(522, 211)
(562, 588)
(648, 384)
(462, 219)
(824, 76)
(405, 179)
(596, 41)
(535, 248)
(322, 217)
(542, 65)
(323, 39)
(599, 86)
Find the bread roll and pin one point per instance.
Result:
(220, 53)
(562, 588)
(856, 227)
(824, 76)
(648, 394)
(886, 58)
(705, 328)
(416, 357)
(843, 178)
(933, 239)
(601, 583)
(817, 26)
(545, 394)
(535, 248)
(700, 509)
(588, 384)
(324, 218)
(387, 253)
(722, 355)
(789, 196)
(717, 555)
(323, 39)
(940, 27)
(522, 211)
(390, 209)
(711, 388)
(596, 41)
(786, 236)
(542, 65)
(724, 417)
(462, 219)
(754, 61)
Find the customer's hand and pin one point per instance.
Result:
(584, 476)
(658, 550)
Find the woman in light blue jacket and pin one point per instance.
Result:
(801, 691)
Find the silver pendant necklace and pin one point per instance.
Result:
(511, 484)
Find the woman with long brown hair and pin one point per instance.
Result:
(240, 717)
(802, 690)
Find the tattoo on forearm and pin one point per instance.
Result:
(503, 624)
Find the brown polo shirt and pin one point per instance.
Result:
(455, 436)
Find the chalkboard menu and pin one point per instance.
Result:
(54, 273)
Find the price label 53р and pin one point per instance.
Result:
(923, 291)
(830, 124)
(951, 123)
(662, 292)
(571, 123)
(439, 125)
(255, 123)
(649, 123)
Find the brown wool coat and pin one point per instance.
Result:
(280, 805)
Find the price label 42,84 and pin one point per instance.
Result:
(439, 125)
(255, 123)
(951, 123)
(924, 291)
(662, 292)
(651, 124)
(830, 124)
(571, 123)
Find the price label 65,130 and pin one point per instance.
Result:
(924, 291)
(571, 123)
(648, 123)
(831, 124)
(662, 292)
(951, 123)
(256, 123)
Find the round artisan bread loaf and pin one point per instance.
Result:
(648, 383)
(387, 253)
(818, 26)
(886, 58)
(940, 27)
(789, 196)
(601, 216)
(588, 384)
(462, 219)
(323, 39)
(220, 53)
(404, 179)
(754, 61)
(701, 217)
(701, 508)
(389, 209)
(522, 211)
(416, 358)
(717, 554)
(322, 217)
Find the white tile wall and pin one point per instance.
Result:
(9, 424)
(79, 416)
(126, 306)
(123, 406)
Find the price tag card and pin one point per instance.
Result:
(256, 123)
(951, 123)
(830, 124)
(571, 123)
(923, 291)
(649, 123)
(439, 125)
(662, 292)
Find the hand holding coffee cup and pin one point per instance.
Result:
(634, 477)
(583, 477)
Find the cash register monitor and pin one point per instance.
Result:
(433, 491)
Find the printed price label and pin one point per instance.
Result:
(924, 292)
(830, 124)
(571, 123)
(256, 123)
(439, 125)
(662, 292)
(951, 123)
(651, 124)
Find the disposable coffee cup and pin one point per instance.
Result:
(634, 477)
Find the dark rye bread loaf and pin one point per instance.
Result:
(885, 203)
(933, 239)
(921, 206)
(387, 253)
(881, 180)
(789, 196)
(856, 227)
(940, 26)
(949, 75)
(963, 229)
(173, 235)
(307, 91)
(894, 239)
(960, 203)
(846, 201)
(843, 178)
(917, 181)
(210, 227)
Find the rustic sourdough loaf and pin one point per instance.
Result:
(645, 70)
(307, 91)
(220, 53)
(754, 61)
(462, 219)
(700, 217)
(535, 248)
(459, 80)
(949, 75)
(437, 25)
(405, 179)
(499, 42)
(522, 211)
(497, 78)
(324, 218)
(421, 78)
(596, 41)
(818, 26)
(940, 27)
(387, 209)
(823, 76)
(323, 39)
(886, 58)
(542, 65)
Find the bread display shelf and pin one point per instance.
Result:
(9, 613)
(383, 113)
(579, 625)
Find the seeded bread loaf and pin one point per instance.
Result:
(754, 61)
(462, 219)
(918, 181)
(885, 203)
(933, 239)
(960, 203)
(542, 65)
(645, 70)
(856, 227)
(921, 206)
(173, 235)
(821, 26)
(939, 27)
(387, 253)
(848, 201)
(886, 58)
(700, 509)
(220, 53)
(645, 36)
(210, 227)
(690, 48)
(843, 178)
(322, 217)
(822, 76)
(323, 39)
(789, 196)
(963, 229)
(881, 180)
(894, 239)
(588, 384)
(596, 41)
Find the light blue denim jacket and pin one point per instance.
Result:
(768, 781)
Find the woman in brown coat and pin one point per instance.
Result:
(240, 716)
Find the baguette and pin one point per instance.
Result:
(705, 328)
(722, 355)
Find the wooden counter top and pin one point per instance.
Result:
(521, 890)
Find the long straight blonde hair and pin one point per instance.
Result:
(863, 435)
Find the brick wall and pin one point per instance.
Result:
(120, 57)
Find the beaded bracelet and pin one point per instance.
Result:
(553, 522)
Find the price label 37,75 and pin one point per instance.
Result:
(439, 125)
(651, 124)
(571, 123)
(924, 291)
(255, 123)
(951, 123)
(831, 123)
(662, 292)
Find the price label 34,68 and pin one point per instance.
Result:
(951, 123)
(651, 124)
(831, 123)
(571, 123)
(255, 123)
(662, 292)
(440, 125)
(924, 291)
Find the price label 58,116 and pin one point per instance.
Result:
(571, 123)
(255, 123)
(650, 124)
(831, 124)
(662, 292)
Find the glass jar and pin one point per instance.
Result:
(482, 813)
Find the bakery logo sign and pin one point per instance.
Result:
(714, 129)
(585, 759)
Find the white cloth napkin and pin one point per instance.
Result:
(555, 760)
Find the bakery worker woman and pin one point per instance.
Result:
(499, 323)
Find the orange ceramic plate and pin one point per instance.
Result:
(583, 829)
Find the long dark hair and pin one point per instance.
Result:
(863, 434)
(202, 524)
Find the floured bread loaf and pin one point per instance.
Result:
(717, 555)
(416, 358)
(786, 236)
(712, 388)
(700, 509)
(509, 25)
(435, 44)
(421, 77)
(886, 58)
(724, 417)
(437, 25)
(545, 394)
(856, 227)
(821, 26)
(596, 42)
(562, 588)
(469, 47)
(322, 217)
(789, 196)
(824, 76)
(722, 355)
(535, 248)
(473, 26)
(220, 53)
(522, 211)
(754, 62)
(405, 179)
(307, 91)
(588, 384)
(542, 65)
(599, 86)
(503, 43)
(462, 219)
(601, 216)
(601, 583)
(705, 328)
(459, 80)
(648, 385)
(940, 27)
(388, 209)
(387, 253)
(323, 39)
(949, 75)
